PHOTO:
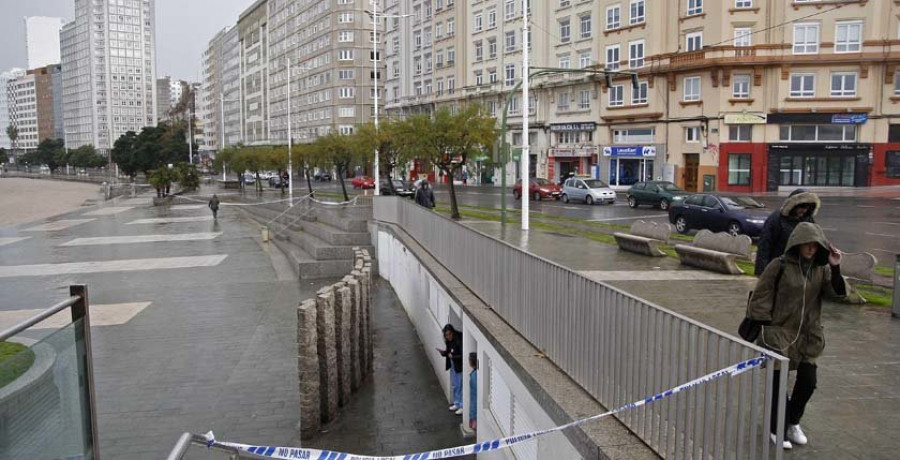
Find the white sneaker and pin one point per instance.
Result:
(795, 434)
(453, 408)
(458, 411)
(786, 445)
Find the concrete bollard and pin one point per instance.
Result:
(363, 326)
(265, 234)
(355, 357)
(370, 330)
(342, 309)
(327, 351)
(308, 369)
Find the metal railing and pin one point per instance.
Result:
(616, 346)
(48, 407)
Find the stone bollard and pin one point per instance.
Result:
(355, 358)
(342, 308)
(308, 369)
(363, 326)
(370, 329)
(328, 372)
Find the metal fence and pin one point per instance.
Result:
(618, 347)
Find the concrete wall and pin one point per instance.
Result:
(511, 408)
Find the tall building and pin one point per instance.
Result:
(5, 77)
(22, 98)
(42, 40)
(109, 78)
(210, 106)
(48, 89)
(163, 98)
(34, 105)
(229, 100)
(253, 35)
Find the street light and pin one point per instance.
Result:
(290, 136)
(375, 60)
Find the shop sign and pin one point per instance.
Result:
(811, 146)
(745, 119)
(849, 118)
(586, 151)
(573, 127)
(630, 151)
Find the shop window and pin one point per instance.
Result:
(634, 136)
(818, 133)
(739, 169)
(892, 164)
(740, 133)
(894, 133)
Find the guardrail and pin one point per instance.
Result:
(47, 410)
(618, 347)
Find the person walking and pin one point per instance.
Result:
(801, 206)
(473, 391)
(214, 206)
(453, 362)
(787, 304)
(425, 195)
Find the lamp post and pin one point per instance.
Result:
(290, 135)
(525, 159)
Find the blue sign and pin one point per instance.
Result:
(849, 118)
(630, 151)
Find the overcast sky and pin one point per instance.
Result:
(183, 28)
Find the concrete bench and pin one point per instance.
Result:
(859, 266)
(644, 238)
(716, 252)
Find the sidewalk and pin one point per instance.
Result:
(855, 413)
(402, 408)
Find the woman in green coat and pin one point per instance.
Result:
(787, 302)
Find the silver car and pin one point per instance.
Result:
(589, 191)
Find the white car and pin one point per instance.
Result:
(589, 191)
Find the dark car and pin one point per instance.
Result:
(655, 193)
(538, 188)
(402, 188)
(719, 213)
(322, 176)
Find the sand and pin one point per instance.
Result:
(27, 200)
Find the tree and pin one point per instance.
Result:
(393, 151)
(13, 133)
(161, 179)
(186, 175)
(306, 157)
(4, 157)
(124, 155)
(343, 152)
(447, 140)
(50, 152)
(86, 157)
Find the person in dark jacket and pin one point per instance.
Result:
(453, 362)
(787, 303)
(425, 195)
(801, 206)
(214, 206)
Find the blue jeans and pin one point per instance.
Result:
(456, 383)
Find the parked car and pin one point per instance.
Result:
(719, 213)
(249, 179)
(402, 188)
(538, 188)
(655, 193)
(322, 176)
(363, 182)
(589, 191)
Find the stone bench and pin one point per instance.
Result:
(716, 252)
(644, 238)
(859, 266)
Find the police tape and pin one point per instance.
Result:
(295, 453)
(259, 203)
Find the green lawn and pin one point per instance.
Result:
(15, 360)
(884, 271)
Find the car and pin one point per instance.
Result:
(401, 188)
(322, 176)
(363, 182)
(249, 179)
(655, 193)
(538, 189)
(587, 190)
(737, 214)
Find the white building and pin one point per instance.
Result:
(42, 40)
(109, 82)
(21, 96)
(4, 105)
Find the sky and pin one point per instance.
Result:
(183, 29)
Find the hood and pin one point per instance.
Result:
(449, 327)
(806, 232)
(799, 197)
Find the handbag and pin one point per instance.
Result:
(750, 329)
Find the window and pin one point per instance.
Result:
(510, 9)
(492, 19)
(584, 101)
(612, 57)
(743, 3)
(510, 41)
(479, 51)
(636, 54)
(438, 31)
(565, 30)
(451, 84)
(613, 17)
(451, 55)
(740, 133)
(616, 95)
(740, 88)
(510, 74)
(492, 48)
(892, 164)
(451, 27)
(478, 26)
(843, 84)
(562, 101)
(694, 41)
(347, 93)
(345, 36)
(350, 74)
(694, 7)
(739, 169)
(479, 78)
(803, 85)
(817, 133)
(584, 59)
(395, 44)
(345, 130)
(742, 36)
(848, 37)
(692, 134)
(806, 38)
(345, 55)
(492, 76)
(586, 26)
(638, 12)
(897, 84)
(564, 64)
(639, 94)
(346, 112)
(345, 18)
(418, 65)
(691, 89)
(417, 40)
(633, 136)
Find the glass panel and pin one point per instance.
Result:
(848, 172)
(831, 132)
(786, 171)
(648, 171)
(821, 170)
(808, 169)
(803, 133)
(50, 399)
(834, 170)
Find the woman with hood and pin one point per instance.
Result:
(787, 303)
(801, 206)
(453, 362)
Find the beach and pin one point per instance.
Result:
(26, 200)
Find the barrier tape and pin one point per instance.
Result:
(240, 204)
(294, 453)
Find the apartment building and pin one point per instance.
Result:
(48, 91)
(109, 79)
(253, 36)
(229, 100)
(5, 101)
(21, 95)
(210, 110)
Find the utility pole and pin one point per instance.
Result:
(191, 126)
(525, 158)
(375, 73)
(290, 136)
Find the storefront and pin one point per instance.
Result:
(572, 151)
(818, 165)
(623, 165)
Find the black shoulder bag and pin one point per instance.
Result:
(749, 329)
